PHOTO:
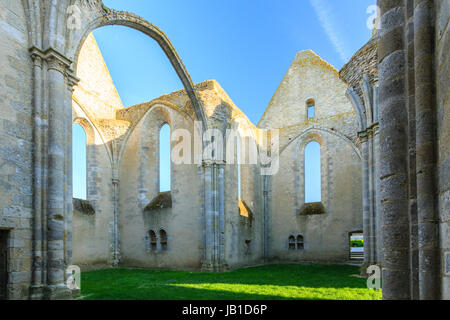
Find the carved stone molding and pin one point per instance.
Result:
(369, 133)
(56, 60)
(37, 56)
(375, 128)
(71, 79)
(363, 136)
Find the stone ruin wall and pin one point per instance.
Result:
(326, 236)
(442, 56)
(139, 180)
(16, 145)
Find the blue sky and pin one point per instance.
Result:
(313, 190)
(246, 45)
(79, 161)
(164, 158)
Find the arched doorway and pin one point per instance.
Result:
(356, 246)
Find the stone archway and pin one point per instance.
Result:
(102, 16)
(53, 49)
(99, 16)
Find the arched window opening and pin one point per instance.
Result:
(239, 166)
(300, 243)
(152, 236)
(164, 158)
(79, 162)
(163, 239)
(356, 246)
(313, 177)
(291, 243)
(310, 109)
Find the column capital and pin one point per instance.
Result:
(56, 60)
(71, 79)
(363, 136)
(374, 128)
(37, 55)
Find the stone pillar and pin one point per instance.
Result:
(39, 122)
(428, 221)
(414, 253)
(377, 201)
(367, 110)
(214, 198)
(363, 137)
(266, 211)
(71, 82)
(116, 237)
(370, 208)
(442, 90)
(220, 224)
(372, 197)
(56, 74)
(393, 151)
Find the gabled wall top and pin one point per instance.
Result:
(309, 56)
(308, 78)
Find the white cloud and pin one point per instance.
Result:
(327, 21)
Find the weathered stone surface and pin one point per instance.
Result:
(398, 81)
(83, 206)
(363, 62)
(312, 209)
(162, 201)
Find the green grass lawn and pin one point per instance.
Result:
(291, 281)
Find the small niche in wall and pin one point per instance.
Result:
(163, 239)
(152, 240)
(296, 242)
(310, 109)
(300, 243)
(291, 245)
(247, 246)
(156, 242)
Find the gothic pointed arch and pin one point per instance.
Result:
(99, 16)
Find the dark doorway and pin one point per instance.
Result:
(3, 264)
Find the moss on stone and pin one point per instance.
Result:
(312, 209)
(83, 206)
(161, 201)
